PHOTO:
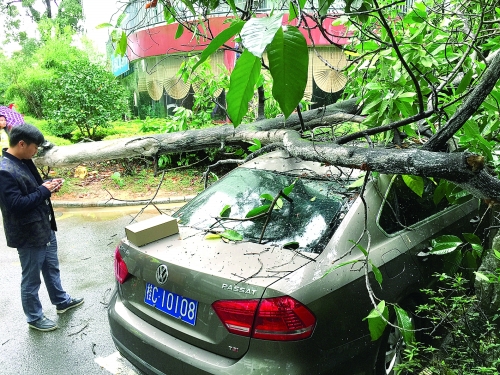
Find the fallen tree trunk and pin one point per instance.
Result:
(268, 131)
(464, 169)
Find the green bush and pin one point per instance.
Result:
(84, 97)
(466, 339)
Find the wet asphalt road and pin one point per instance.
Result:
(82, 344)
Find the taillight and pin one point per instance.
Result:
(121, 270)
(237, 315)
(281, 318)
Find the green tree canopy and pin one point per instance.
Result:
(84, 96)
(64, 13)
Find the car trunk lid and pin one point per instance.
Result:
(193, 279)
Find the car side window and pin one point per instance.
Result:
(402, 207)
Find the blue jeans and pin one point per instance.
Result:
(33, 260)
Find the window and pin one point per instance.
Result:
(314, 213)
(403, 208)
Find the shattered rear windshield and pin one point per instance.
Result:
(316, 209)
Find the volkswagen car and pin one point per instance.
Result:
(266, 274)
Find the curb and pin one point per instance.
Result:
(119, 203)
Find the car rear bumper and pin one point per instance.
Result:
(156, 352)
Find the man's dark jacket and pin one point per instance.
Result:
(28, 216)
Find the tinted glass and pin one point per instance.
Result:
(403, 208)
(315, 210)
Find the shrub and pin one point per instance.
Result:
(85, 96)
(467, 337)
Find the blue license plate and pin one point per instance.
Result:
(172, 304)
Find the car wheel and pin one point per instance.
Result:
(390, 352)
(393, 345)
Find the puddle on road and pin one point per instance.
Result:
(112, 213)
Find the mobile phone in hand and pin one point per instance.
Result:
(55, 188)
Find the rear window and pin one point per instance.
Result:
(315, 212)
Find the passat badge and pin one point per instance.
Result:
(162, 274)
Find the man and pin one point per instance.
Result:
(29, 225)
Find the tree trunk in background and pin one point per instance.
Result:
(488, 293)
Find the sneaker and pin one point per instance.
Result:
(73, 302)
(43, 324)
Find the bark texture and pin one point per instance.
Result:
(465, 169)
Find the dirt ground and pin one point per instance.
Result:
(98, 193)
(101, 187)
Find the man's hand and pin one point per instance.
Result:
(54, 185)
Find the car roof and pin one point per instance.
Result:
(281, 161)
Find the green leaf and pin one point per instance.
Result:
(219, 41)
(258, 210)
(257, 33)
(312, 199)
(179, 32)
(241, 86)
(474, 241)
(291, 245)
(415, 16)
(288, 63)
(426, 61)
(440, 192)
(289, 188)
(103, 25)
(377, 320)
(407, 97)
(370, 105)
(497, 254)
(369, 45)
(226, 211)
(189, 5)
(269, 197)
(323, 7)
(464, 83)
(445, 244)
(121, 48)
(361, 248)
(472, 238)
(415, 183)
(469, 260)
(338, 266)
(373, 86)
(256, 145)
(377, 274)
(279, 204)
(169, 14)
(233, 6)
(232, 235)
(405, 325)
(120, 19)
(480, 276)
(358, 183)
(293, 11)
(404, 107)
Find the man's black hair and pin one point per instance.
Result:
(27, 133)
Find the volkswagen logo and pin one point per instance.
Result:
(162, 274)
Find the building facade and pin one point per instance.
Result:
(156, 52)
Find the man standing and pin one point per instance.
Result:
(29, 225)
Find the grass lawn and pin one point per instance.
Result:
(123, 179)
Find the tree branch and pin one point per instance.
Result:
(468, 108)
